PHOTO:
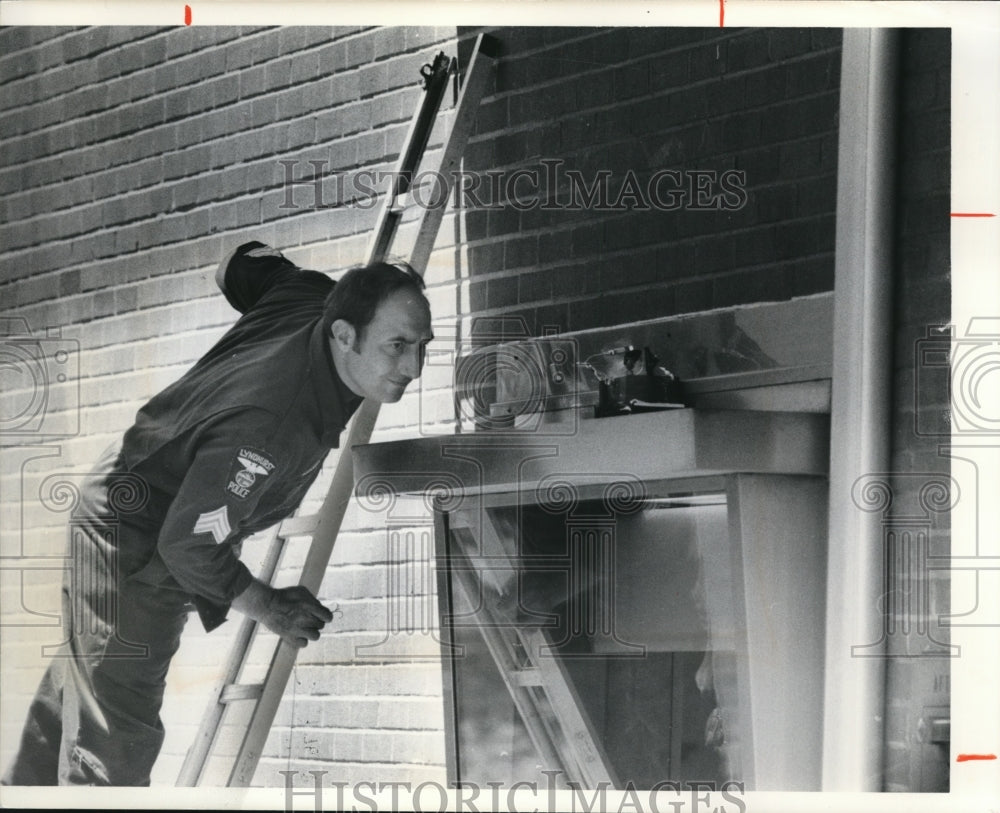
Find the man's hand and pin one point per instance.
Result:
(293, 613)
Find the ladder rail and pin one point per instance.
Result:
(581, 739)
(484, 56)
(329, 518)
(415, 143)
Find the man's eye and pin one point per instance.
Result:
(396, 348)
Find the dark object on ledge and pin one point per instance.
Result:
(647, 389)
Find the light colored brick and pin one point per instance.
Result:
(144, 252)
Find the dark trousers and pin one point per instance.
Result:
(95, 717)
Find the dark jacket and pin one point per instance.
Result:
(232, 447)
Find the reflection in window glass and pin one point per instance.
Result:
(636, 608)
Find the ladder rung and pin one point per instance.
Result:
(241, 691)
(298, 526)
(529, 676)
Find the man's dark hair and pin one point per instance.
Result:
(358, 293)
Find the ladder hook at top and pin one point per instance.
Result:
(441, 64)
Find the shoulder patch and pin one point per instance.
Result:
(249, 469)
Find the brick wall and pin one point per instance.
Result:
(623, 104)
(134, 159)
(763, 102)
(114, 215)
(920, 686)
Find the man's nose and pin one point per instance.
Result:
(412, 362)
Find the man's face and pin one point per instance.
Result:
(389, 353)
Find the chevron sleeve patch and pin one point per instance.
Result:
(215, 523)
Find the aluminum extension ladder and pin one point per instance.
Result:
(325, 524)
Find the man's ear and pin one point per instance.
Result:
(343, 334)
